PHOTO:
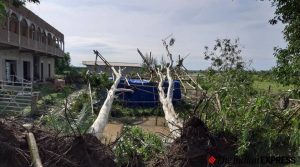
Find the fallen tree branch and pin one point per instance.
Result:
(218, 101)
(124, 90)
(34, 152)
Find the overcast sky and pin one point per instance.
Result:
(117, 27)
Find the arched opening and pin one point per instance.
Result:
(62, 45)
(55, 42)
(32, 32)
(49, 39)
(4, 23)
(44, 37)
(14, 24)
(58, 43)
(39, 35)
(24, 28)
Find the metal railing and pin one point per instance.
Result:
(14, 39)
(15, 95)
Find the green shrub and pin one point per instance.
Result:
(137, 147)
(118, 110)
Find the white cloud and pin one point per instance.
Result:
(117, 28)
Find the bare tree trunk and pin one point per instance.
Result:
(98, 126)
(174, 122)
(91, 97)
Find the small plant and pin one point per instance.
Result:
(137, 147)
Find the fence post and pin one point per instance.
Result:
(34, 99)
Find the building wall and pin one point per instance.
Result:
(46, 62)
(19, 58)
(107, 70)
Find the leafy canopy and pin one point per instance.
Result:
(225, 55)
(288, 59)
(16, 3)
(63, 64)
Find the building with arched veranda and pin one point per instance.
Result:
(28, 46)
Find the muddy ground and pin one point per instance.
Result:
(156, 125)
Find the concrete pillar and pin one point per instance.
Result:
(46, 72)
(31, 69)
(28, 30)
(2, 68)
(52, 60)
(46, 41)
(42, 69)
(19, 29)
(8, 28)
(19, 67)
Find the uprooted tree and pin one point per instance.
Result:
(99, 124)
(166, 72)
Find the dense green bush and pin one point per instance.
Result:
(137, 147)
(75, 76)
(98, 80)
(254, 118)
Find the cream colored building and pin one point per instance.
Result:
(28, 46)
(101, 67)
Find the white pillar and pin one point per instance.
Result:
(32, 68)
(8, 27)
(19, 30)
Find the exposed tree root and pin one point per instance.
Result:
(195, 146)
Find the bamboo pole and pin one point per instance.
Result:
(34, 152)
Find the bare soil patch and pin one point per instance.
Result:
(114, 128)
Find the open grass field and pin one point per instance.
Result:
(270, 86)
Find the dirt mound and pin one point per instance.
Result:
(13, 147)
(55, 151)
(195, 146)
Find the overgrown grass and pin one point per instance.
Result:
(271, 86)
(76, 119)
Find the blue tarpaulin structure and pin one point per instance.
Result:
(145, 93)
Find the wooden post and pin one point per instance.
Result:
(34, 99)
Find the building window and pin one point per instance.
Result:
(14, 24)
(38, 35)
(26, 70)
(32, 32)
(11, 70)
(49, 39)
(44, 37)
(24, 28)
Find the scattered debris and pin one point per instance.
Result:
(54, 150)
